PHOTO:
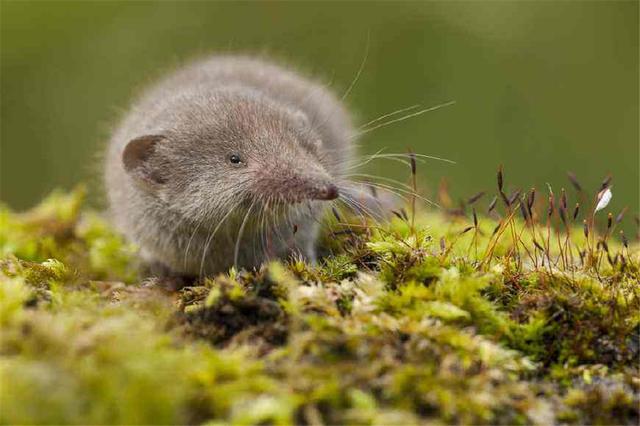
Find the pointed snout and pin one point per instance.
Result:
(295, 184)
(326, 192)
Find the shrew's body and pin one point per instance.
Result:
(222, 161)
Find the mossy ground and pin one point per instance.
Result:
(399, 324)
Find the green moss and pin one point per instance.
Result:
(401, 324)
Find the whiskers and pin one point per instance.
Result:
(254, 228)
(373, 197)
(236, 250)
(275, 225)
(205, 250)
(364, 129)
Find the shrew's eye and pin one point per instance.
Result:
(235, 159)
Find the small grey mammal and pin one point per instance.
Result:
(231, 159)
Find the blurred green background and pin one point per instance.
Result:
(541, 87)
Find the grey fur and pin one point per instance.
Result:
(175, 185)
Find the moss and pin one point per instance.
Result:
(602, 400)
(398, 324)
(227, 309)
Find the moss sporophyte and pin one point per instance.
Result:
(517, 316)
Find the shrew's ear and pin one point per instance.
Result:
(137, 159)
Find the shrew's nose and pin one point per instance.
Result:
(327, 192)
